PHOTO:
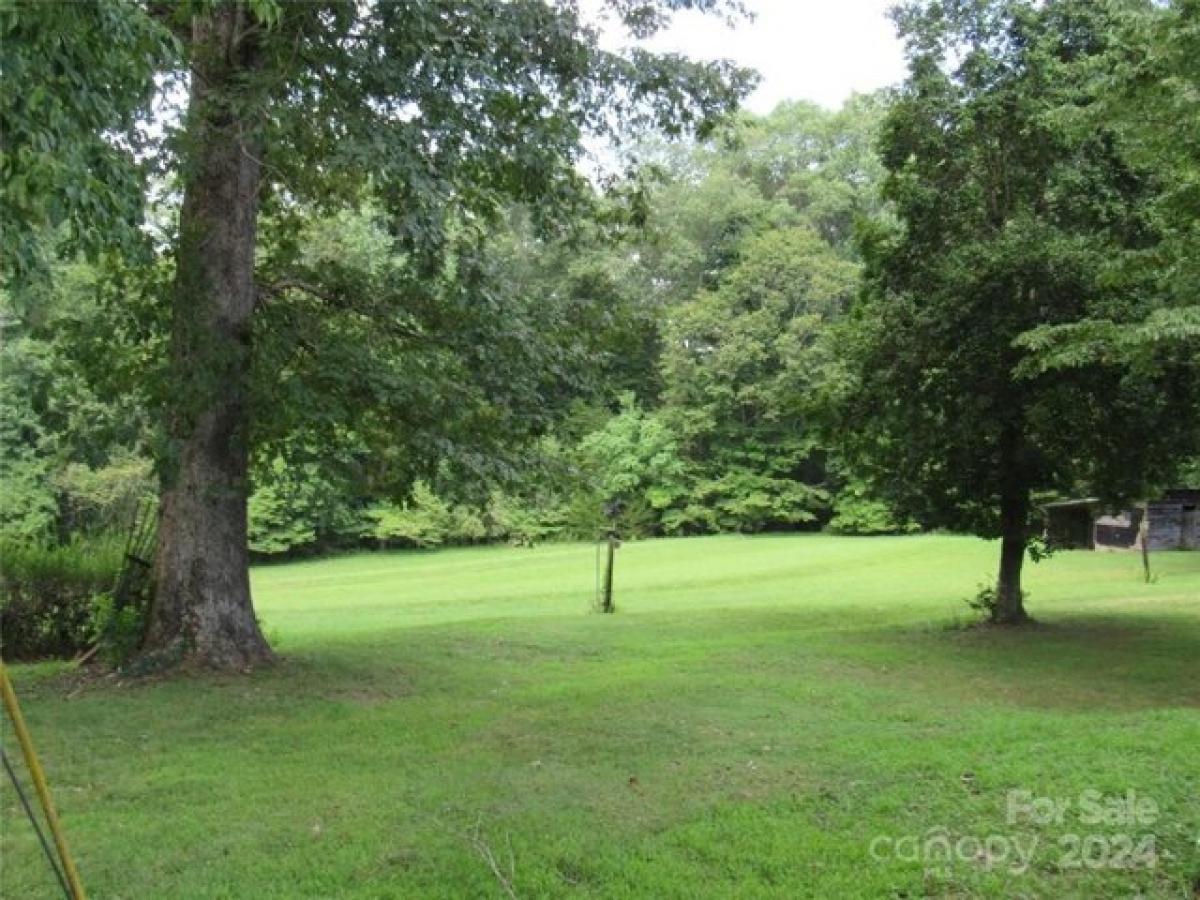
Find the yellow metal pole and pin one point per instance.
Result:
(39, 782)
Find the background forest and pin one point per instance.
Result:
(678, 345)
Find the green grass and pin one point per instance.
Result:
(757, 713)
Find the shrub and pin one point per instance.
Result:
(103, 499)
(467, 525)
(297, 508)
(116, 630)
(521, 521)
(747, 501)
(584, 515)
(855, 511)
(26, 501)
(47, 594)
(424, 521)
(985, 599)
(27, 508)
(274, 525)
(634, 458)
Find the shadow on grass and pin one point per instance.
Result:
(1085, 661)
(1076, 662)
(1079, 662)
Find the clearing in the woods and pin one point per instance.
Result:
(779, 716)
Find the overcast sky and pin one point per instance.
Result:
(820, 50)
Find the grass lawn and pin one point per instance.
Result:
(780, 716)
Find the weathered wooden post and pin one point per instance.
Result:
(1144, 539)
(612, 510)
(606, 602)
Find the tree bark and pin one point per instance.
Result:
(202, 611)
(1014, 536)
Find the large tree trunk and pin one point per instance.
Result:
(202, 611)
(1014, 536)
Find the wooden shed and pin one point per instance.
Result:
(1172, 523)
(1070, 524)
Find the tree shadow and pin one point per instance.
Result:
(1077, 661)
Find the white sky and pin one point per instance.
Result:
(820, 50)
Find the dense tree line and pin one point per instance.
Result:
(679, 360)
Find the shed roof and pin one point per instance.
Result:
(1072, 504)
